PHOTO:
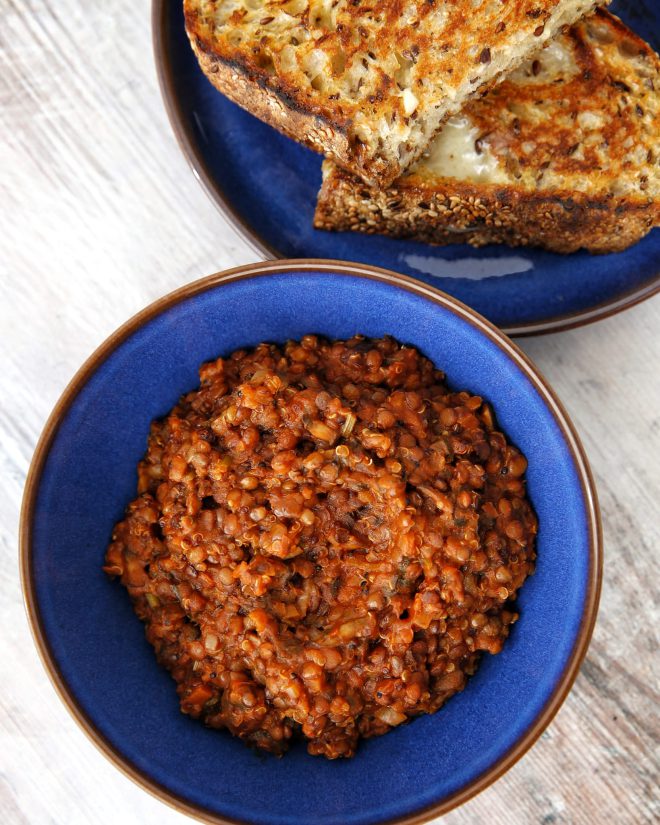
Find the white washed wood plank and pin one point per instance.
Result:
(100, 215)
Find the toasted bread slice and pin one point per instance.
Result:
(367, 83)
(564, 154)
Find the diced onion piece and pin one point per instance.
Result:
(349, 423)
(390, 716)
(211, 642)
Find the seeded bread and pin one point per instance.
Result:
(367, 83)
(564, 154)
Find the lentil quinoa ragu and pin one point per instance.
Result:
(325, 540)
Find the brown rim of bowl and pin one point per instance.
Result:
(383, 276)
(244, 230)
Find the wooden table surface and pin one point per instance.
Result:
(100, 215)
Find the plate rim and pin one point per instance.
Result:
(342, 268)
(190, 150)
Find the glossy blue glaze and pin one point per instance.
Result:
(98, 644)
(271, 183)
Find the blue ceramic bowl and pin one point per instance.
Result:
(84, 473)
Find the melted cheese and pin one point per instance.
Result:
(454, 154)
(555, 60)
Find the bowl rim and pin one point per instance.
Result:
(189, 148)
(256, 270)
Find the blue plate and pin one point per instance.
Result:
(267, 185)
(84, 473)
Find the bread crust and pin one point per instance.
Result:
(277, 108)
(478, 215)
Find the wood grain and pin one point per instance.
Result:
(99, 216)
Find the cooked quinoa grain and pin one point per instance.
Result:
(325, 540)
